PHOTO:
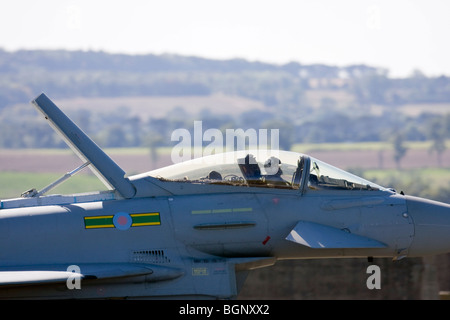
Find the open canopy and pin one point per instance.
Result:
(264, 168)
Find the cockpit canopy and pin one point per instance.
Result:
(264, 168)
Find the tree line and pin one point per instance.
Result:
(66, 74)
(281, 88)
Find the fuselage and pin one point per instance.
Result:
(203, 228)
(252, 222)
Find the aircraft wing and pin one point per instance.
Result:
(60, 274)
(11, 278)
(319, 236)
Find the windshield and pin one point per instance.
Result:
(264, 168)
(325, 176)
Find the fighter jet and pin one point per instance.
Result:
(195, 229)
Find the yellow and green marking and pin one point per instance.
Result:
(122, 220)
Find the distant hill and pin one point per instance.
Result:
(62, 60)
(67, 74)
(160, 107)
(122, 98)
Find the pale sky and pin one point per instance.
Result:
(399, 35)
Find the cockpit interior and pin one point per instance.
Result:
(264, 168)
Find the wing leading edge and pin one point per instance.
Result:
(60, 274)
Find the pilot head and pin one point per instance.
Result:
(272, 165)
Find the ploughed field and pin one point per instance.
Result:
(140, 160)
(24, 169)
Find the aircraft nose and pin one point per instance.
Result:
(431, 226)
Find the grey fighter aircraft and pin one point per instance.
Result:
(195, 229)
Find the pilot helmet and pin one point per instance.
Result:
(272, 165)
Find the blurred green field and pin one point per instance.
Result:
(427, 182)
(13, 184)
(433, 183)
